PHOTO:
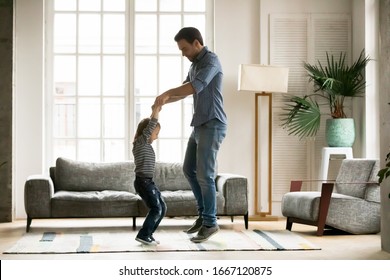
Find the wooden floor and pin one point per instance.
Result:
(334, 246)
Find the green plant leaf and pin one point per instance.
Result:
(302, 117)
(384, 172)
(337, 80)
(333, 82)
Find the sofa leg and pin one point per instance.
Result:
(246, 220)
(134, 223)
(288, 224)
(232, 218)
(29, 220)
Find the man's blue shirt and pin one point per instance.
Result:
(205, 75)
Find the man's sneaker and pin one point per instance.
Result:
(146, 240)
(205, 233)
(195, 226)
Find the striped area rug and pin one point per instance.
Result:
(170, 241)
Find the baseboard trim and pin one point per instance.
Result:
(264, 218)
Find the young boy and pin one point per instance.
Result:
(145, 161)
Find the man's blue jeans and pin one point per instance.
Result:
(151, 195)
(200, 167)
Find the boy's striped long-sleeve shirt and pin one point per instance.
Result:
(144, 156)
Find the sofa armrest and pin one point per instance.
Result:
(235, 191)
(38, 191)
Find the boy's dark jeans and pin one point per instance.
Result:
(151, 196)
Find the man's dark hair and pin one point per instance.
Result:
(190, 34)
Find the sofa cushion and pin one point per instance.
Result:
(94, 204)
(170, 177)
(95, 196)
(73, 175)
(183, 203)
(179, 203)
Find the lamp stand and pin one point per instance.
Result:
(265, 79)
(263, 158)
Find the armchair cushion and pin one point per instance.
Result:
(354, 215)
(301, 204)
(305, 205)
(354, 170)
(373, 193)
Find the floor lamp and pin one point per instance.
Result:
(264, 80)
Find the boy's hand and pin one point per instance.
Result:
(156, 108)
(155, 111)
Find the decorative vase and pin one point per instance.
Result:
(340, 132)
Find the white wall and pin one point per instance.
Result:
(358, 35)
(236, 42)
(371, 144)
(28, 142)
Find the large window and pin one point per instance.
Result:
(107, 61)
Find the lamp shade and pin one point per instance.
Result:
(262, 78)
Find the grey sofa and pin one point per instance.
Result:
(79, 190)
(353, 207)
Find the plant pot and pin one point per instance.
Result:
(340, 132)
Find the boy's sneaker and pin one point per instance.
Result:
(158, 242)
(205, 233)
(195, 226)
(146, 240)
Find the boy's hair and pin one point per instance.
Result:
(190, 34)
(141, 126)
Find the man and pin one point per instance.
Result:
(204, 83)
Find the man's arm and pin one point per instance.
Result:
(174, 94)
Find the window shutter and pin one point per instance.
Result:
(295, 38)
(288, 48)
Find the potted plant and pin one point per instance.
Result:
(332, 83)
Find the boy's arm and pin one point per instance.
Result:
(151, 125)
(155, 111)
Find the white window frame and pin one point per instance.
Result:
(130, 112)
